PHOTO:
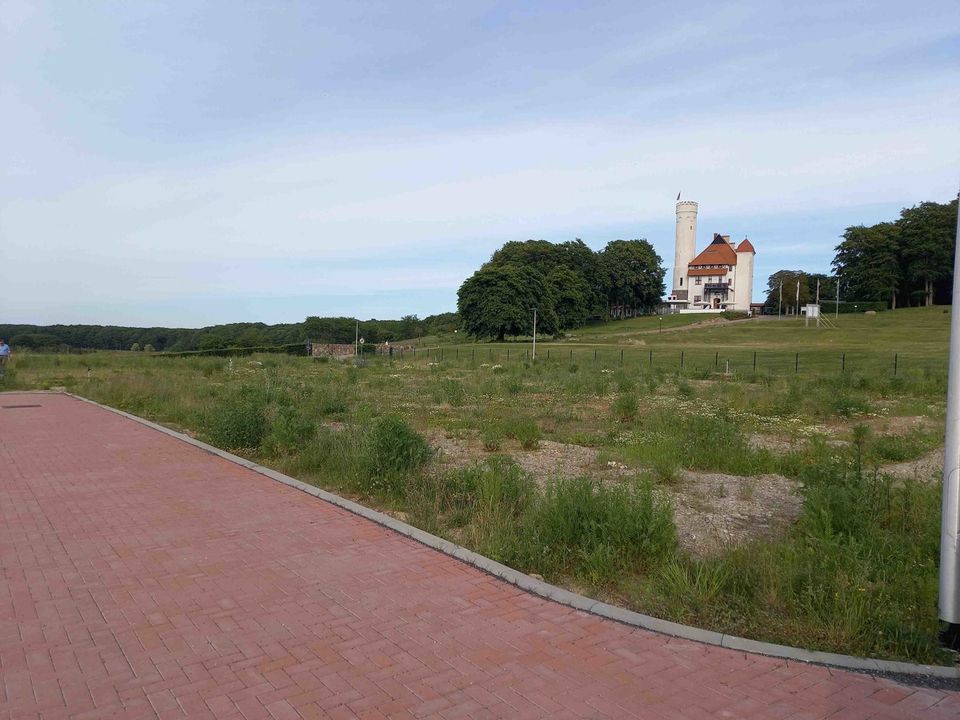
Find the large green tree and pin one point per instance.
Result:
(868, 261)
(498, 300)
(928, 235)
(634, 276)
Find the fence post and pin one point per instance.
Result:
(651, 358)
(896, 358)
(843, 363)
(754, 360)
(571, 355)
(681, 359)
(594, 355)
(508, 353)
(716, 359)
(491, 353)
(473, 355)
(796, 364)
(621, 356)
(548, 353)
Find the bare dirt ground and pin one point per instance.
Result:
(924, 468)
(712, 510)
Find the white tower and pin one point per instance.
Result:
(743, 291)
(686, 246)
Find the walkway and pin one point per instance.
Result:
(141, 577)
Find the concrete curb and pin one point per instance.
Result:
(558, 594)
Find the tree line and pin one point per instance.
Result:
(905, 262)
(567, 283)
(232, 335)
(908, 261)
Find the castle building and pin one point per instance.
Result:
(719, 278)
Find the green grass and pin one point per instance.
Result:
(856, 574)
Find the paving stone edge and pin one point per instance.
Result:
(546, 590)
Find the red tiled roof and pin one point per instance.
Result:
(718, 252)
(746, 246)
(704, 272)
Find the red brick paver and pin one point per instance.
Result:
(142, 577)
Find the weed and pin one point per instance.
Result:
(524, 430)
(392, 450)
(239, 421)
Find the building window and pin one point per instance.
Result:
(698, 298)
(697, 281)
(681, 281)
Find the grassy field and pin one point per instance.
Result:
(799, 507)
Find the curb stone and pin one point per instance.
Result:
(546, 590)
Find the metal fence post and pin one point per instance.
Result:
(681, 359)
(754, 360)
(843, 363)
(621, 357)
(796, 363)
(896, 357)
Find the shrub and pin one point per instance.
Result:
(239, 421)
(584, 528)
(625, 407)
(491, 436)
(289, 431)
(392, 450)
(524, 430)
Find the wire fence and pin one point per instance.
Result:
(733, 361)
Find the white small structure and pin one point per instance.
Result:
(719, 278)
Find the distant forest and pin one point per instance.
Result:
(234, 335)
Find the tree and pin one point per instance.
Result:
(868, 262)
(789, 279)
(570, 292)
(928, 236)
(409, 326)
(149, 348)
(135, 347)
(498, 300)
(634, 276)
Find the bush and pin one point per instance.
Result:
(587, 529)
(392, 450)
(239, 421)
(524, 430)
(289, 431)
(625, 407)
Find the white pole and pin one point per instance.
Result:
(950, 512)
(798, 298)
(818, 302)
(780, 304)
(534, 333)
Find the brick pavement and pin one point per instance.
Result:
(145, 578)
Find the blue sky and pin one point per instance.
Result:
(184, 164)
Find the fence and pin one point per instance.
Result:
(690, 360)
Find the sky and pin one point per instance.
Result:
(186, 164)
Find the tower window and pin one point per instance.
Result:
(681, 281)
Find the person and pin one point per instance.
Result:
(4, 356)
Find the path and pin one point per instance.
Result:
(142, 577)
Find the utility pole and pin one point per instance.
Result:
(836, 310)
(534, 333)
(818, 302)
(950, 511)
(356, 341)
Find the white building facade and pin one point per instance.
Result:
(719, 278)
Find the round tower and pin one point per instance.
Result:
(686, 246)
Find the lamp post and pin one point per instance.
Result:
(949, 604)
(661, 323)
